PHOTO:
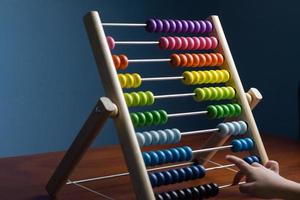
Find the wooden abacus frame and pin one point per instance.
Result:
(115, 106)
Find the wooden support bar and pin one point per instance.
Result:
(99, 115)
(113, 90)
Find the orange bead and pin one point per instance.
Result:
(196, 60)
(208, 59)
(214, 61)
(190, 59)
(202, 60)
(183, 60)
(117, 61)
(124, 61)
(220, 59)
(175, 60)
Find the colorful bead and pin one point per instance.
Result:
(214, 93)
(189, 60)
(120, 61)
(205, 76)
(188, 43)
(252, 159)
(149, 118)
(232, 128)
(224, 110)
(110, 42)
(243, 144)
(139, 98)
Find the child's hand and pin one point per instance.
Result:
(261, 181)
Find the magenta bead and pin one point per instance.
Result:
(150, 25)
(172, 43)
(166, 25)
(208, 43)
(184, 43)
(159, 25)
(196, 43)
(197, 26)
(208, 26)
(178, 26)
(190, 43)
(185, 26)
(202, 43)
(163, 43)
(110, 42)
(191, 26)
(178, 43)
(214, 42)
(172, 26)
(203, 26)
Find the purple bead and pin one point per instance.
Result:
(191, 26)
(197, 26)
(172, 26)
(185, 26)
(202, 25)
(178, 26)
(159, 25)
(166, 25)
(208, 26)
(150, 25)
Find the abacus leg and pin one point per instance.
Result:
(101, 112)
(216, 140)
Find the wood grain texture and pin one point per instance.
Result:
(24, 178)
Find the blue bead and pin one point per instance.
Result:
(154, 158)
(244, 145)
(201, 170)
(248, 160)
(175, 154)
(196, 172)
(182, 154)
(189, 152)
(236, 145)
(255, 159)
(161, 156)
(147, 158)
(182, 175)
(188, 173)
(168, 177)
(153, 179)
(250, 143)
(175, 175)
(169, 155)
(160, 178)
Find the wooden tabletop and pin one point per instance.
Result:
(25, 177)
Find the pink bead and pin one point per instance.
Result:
(163, 43)
(178, 43)
(184, 44)
(214, 42)
(110, 42)
(208, 43)
(202, 43)
(190, 43)
(196, 43)
(172, 43)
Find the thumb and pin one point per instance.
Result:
(247, 187)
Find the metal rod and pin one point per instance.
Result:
(163, 78)
(173, 95)
(204, 112)
(136, 42)
(123, 24)
(199, 131)
(149, 60)
(212, 149)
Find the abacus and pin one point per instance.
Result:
(239, 120)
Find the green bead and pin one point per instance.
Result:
(142, 118)
(214, 93)
(150, 98)
(199, 94)
(128, 99)
(135, 119)
(163, 116)
(226, 92)
(156, 117)
(149, 118)
(212, 111)
(231, 109)
(143, 98)
(226, 110)
(220, 111)
(208, 93)
(220, 93)
(231, 93)
(238, 109)
(136, 99)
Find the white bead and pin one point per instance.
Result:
(140, 138)
(148, 138)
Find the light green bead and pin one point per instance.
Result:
(226, 92)
(231, 93)
(208, 93)
(214, 93)
(199, 94)
(128, 99)
(136, 99)
(220, 93)
(150, 98)
(143, 98)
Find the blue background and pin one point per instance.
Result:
(49, 81)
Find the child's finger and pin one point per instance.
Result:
(256, 164)
(246, 188)
(273, 165)
(238, 177)
(241, 164)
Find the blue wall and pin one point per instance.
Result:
(49, 81)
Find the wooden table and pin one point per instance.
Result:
(25, 177)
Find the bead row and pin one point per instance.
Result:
(214, 93)
(120, 61)
(224, 110)
(166, 136)
(159, 157)
(205, 76)
(188, 43)
(130, 80)
(155, 117)
(199, 192)
(176, 175)
(178, 26)
(244, 144)
(197, 60)
(139, 98)
(232, 128)
(252, 159)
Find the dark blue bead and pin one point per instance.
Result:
(201, 170)
(195, 193)
(175, 175)
(174, 195)
(236, 145)
(244, 145)
(196, 172)
(160, 178)
(215, 189)
(153, 179)
(182, 154)
(175, 154)
(168, 154)
(189, 175)
(181, 194)
(161, 156)
(250, 143)
(182, 175)
(249, 160)
(189, 152)
(208, 191)
(168, 177)
(158, 197)
(147, 158)
(166, 196)
(255, 159)
(188, 193)
(154, 158)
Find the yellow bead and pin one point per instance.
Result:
(137, 80)
(196, 77)
(202, 76)
(215, 76)
(226, 75)
(129, 81)
(188, 78)
(122, 79)
(208, 77)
